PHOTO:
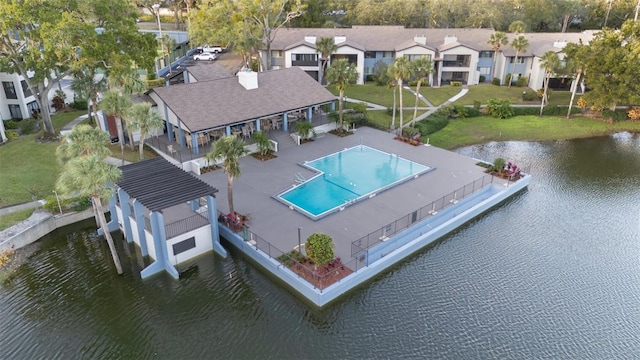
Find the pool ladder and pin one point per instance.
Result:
(299, 178)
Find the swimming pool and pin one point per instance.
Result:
(347, 177)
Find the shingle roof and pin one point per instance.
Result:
(208, 71)
(158, 184)
(210, 104)
(388, 38)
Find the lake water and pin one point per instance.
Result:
(551, 273)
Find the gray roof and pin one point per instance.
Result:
(158, 184)
(205, 71)
(211, 104)
(389, 38)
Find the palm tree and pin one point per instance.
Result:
(113, 103)
(391, 76)
(141, 117)
(496, 40)
(230, 149)
(81, 141)
(517, 27)
(519, 44)
(168, 44)
(85, 173)
(574, 54)
(341, 74)
(262, 142)
(305, 129)
(401, 71)
(84, 84)
(550, 62)
(325, 46)
(421, 68)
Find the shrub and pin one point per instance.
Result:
(456, 83)
(360, 107)
(58, 103)
(634, 113)
(522, 81)
(27, 126)
(471, 112)
(447, 111)
(581, 103)
(79, 104)
(390, 111)
(413, 83)
(431, 124)
(380, 73)
(507, 79)
(499, 108)
(410, 132)
(11, 125)
(370, 78)
(477, 104)
(159, 82)
(614, 115)
(319, 248)
(498, 164)
(529, 95)
(482, 78)
(12, 134)
(496, 81)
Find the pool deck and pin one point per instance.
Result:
(274, 222)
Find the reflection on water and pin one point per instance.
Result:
(552, 273)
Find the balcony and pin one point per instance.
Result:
(304, 63)
(455, 63)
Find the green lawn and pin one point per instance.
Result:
(372, 93)
(437, 96)
(383, 120)
(29, 169)
(463, 132)
(11, 219)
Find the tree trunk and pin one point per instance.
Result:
(513, 69)
(544, 93)
(400, 95)
(493, 68)
(141, 145)
(573, 92)
(320, 73)
(43, 101)
(132, 146)
(103, 223)
(340, 110)
(393, 116)
(94, 105)
(232, 211)
(415, 109)
(120, 136)
(565, 23)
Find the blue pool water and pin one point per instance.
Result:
(349, 176)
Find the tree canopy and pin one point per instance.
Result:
(45, 40)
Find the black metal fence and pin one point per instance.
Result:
(366, 242)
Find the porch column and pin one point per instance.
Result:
(182, 141)
(309, 113)
(126, 212)
(227, 129)
(169, 125)
(194, 144)
(333, 105)
(160, 242)
(258, 122)
(213, 223)
(185, 77)
(194, 204)
(285, 122)
(138, 211)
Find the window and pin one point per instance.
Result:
(15, 111)
(387, 54)
(304, 57)
(33, 107)
(276, 53)
(486, 54)
(184, 245)
(25, 88)
(412, 57)
(520, 60)
(484, 70)
(9, 90)
(369, 54)
(457, 76)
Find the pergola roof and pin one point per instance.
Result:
(158, 184)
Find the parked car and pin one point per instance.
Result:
(204, 56)
(212, 49)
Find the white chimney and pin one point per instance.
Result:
(248, 79)
(560, 44)
(310, 39)
(339, 39)
(450, 39)
(420, 39)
